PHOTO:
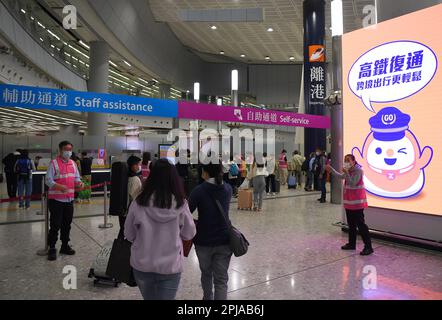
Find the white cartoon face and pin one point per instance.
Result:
(391, 155)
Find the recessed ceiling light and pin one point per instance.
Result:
(243, 56)
(221, 52)
(292, 58)
(213, 27)
(267, 58)
(270, 29)
(82, 43)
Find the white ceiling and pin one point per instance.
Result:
(251, 38)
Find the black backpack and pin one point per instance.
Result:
(305, 165)
(118, 194)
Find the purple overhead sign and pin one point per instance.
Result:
(201, 111)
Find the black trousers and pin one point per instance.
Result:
(322, 186)
(316, 183)
(122, 221)
(61, 214)
(11, 183)
(270, 183)
(356, 221)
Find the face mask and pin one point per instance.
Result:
(139, 170)
(318, 153)
(67, 154)
(347, 165)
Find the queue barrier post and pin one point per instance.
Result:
(106, 224)
(42, 208)
(45, 211)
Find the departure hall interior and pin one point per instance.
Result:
(220, 150)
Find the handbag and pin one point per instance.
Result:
(237, 241)
(187, 244)
(119, 267)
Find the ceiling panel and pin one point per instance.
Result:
(251, 39)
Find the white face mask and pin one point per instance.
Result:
(67, 154)
(347, 165)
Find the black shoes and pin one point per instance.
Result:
(348, 247)
(366, 251)
(322, 201)
(52, 254)
(67, 250)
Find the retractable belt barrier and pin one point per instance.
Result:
(39, 196)
(44, 209)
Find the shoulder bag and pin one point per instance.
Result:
(238, 242)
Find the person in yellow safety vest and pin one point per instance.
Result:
(62, 177)
(355, 201)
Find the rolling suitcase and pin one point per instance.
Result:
(118, 193)
(291, 182)
(277, 186)
(99, 266)
(245, 199)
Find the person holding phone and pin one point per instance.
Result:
(355, 201)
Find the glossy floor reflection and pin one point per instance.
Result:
(294, 254)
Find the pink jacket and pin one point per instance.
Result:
(156, 235)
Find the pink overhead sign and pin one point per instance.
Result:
(202, 111)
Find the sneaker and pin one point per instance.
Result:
(67, 250)
(52, 254)
(366, 251)
(348, 247)
(323, 201)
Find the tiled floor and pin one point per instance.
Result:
(294, 254)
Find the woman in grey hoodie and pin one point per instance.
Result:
(157, 222)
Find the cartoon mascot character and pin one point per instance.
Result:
(391, 156)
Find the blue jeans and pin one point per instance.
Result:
(24, 188)
(155, 286)
(310, 177)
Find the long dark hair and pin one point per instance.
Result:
(146, 158)
(214, 171)
(163, 183)
(352, 157)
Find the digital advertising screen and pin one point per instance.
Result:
(392, 97)
(167, 151)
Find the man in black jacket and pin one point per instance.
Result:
(11, 177)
